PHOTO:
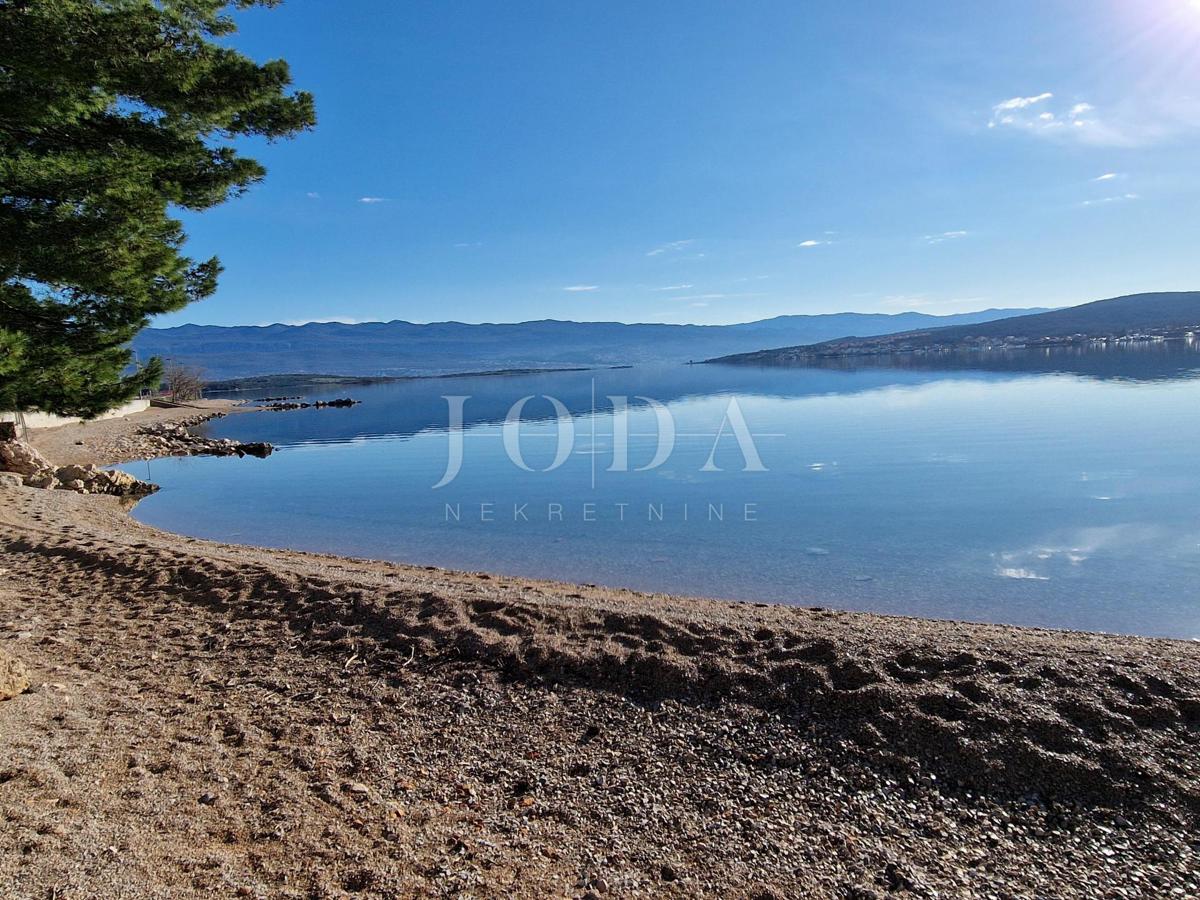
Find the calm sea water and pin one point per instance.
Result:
(1056, 489)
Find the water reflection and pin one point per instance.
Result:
(1055, 489)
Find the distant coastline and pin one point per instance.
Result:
(270, 382)
(1138, 318)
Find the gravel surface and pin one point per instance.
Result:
(213, 720)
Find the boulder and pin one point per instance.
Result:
(11, 479)
(120, 484)
(14, 677)
(19, 457)
(75, 473)
(261, 449)
(41, 480)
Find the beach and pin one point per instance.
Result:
(216, 719)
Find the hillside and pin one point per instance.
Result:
(1151, 315)
(405, 348)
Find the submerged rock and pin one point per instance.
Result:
(318, 404)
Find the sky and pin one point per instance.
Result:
(714, 162)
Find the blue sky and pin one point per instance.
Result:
(715, 162)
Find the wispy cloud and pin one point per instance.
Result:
(1022, 102)
(1020, 574)
(464, 244)
(1040, 115)
(372, 199)
(945, 236)
(1104, 201)
(676, 287)
(313, 195)
(1107, 176)
(810, 244)
(581, 288)
(1133, 123)
(673, 246)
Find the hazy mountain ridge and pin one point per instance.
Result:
(406, 348)
(1154, 315)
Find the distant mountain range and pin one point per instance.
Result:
(405, 348)
(1149, 315)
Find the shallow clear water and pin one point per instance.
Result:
(1057, 489)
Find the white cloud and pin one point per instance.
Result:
(1131, 123)
(1104, 201)
(372, 199)
(676, 287)
(808, 244)
(945, 236)
(1107, 176)
(1020, 113)
(669, 247)
(581, 288)
(1022, 102)
(1022, 574)
(465, 244)
(313, 195)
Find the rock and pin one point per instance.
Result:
(174, 439)
(260, 449)
(75, 473)
(122, 484)
(41, 480)
(319, 404)
(11, 479)
(14, 677)
(19, 457)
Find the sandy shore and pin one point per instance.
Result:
(209, 719)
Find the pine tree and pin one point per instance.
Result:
(112, 113)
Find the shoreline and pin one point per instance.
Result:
(842, 719)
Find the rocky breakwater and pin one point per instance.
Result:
(22, 464)
(175, 439)
(318, 404)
